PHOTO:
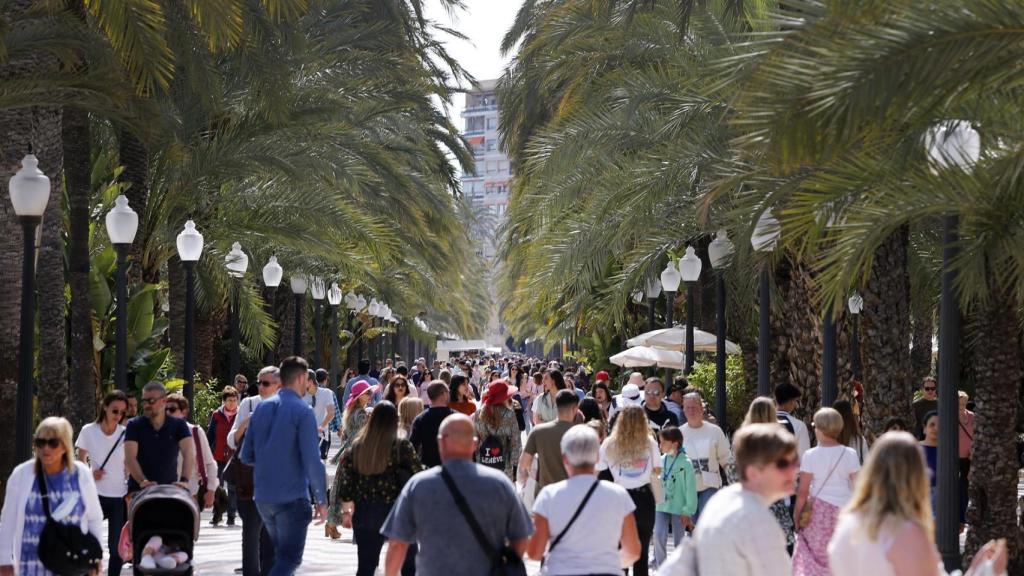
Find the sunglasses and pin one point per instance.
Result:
(265, 382)
(171, 409)
(151, 401)
(117, 411)
(652, 393)
(784, 464)
(53, 443)
(929, 388)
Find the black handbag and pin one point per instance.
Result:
(505, 561)
(63, 548)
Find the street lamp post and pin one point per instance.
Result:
(30, 192)
(318, 290)
(720, 253)
(653, 290)
(237, 262)
(190, 248)
(298, 285)
(952, 144)
(670, 284)
(855, 304)
(764, 239)
(122, 224)
(334, 300)
(829, 359)
(373, 310)
(272, 275)
(689, 268)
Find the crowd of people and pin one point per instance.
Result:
(469, 466)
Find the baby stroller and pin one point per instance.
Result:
(167, 511)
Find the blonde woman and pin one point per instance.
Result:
(763, 411)
(826, 480)
(886, 529)
(408, 410)
(68, 484)
(632, 458)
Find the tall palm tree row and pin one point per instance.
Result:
(637, 128)
(303, 129)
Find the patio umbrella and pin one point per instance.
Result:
(675, 339)
(640, 356)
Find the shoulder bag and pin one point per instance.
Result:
(63, 548)
(805, 512)
(111, 453)
(504, 561)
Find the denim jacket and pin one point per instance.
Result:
(680, 484)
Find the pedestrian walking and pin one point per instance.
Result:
(927, 402)
(50, 485)
(787, 398)
(426, 426)
(408, 411)
(322, 401)
(463, 516)
(544, 444)
(827, 473)
(930, 447)
(497, 430)
(363, 375)
(281, 445)
(221, 421)
(461, 396)
(966, 450)
(632, 459)
(851, 435)
(100, 444)
(370, 476)
(680, 485)
(658, 414)
(887, 527)
(153, 442)
(355, 416)
(583, 525)
(257, 547)
(708, 449)
(398, 390)
(602, 395)
(764, 411)
(737, 535)
(544, 407)
(203, 482)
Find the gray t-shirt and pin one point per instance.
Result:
(425, 513)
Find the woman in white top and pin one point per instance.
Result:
(631, 456)
(603, 537)
(887, 530)
(851, 435)
(826, 479)
(101, 445)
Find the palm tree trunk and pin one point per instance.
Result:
(799, 340)
(77, 171)
(993, 479)
(921, 343)
(885, 335)
(19, 128)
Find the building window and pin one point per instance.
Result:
(475, 124)
(492, 123)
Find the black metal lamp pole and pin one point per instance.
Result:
(236, 340)
(948, 483)
(855, 348)
(691, 308)
(271, 293)
(318, 327)
(764, 334)
(190, 321)
(26, 356)
(121, 348)
(297, 332)
(829, 362)
(720, 327)
(650, 313)
(334, 346)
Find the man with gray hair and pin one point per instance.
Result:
(153, 441)
(589, 522)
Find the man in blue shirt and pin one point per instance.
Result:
(281, 445)
(364, 374)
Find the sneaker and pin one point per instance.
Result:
(215, 522)
(231, 521)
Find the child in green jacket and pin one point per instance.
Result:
(680, 493)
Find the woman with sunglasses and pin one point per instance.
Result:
(70, 490)
(101, 445)
(398, 390)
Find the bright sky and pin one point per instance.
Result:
(484, 22)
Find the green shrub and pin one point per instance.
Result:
(738, 394)
(205, 400)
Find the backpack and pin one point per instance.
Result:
(492, 453)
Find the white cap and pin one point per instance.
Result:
(631, 394)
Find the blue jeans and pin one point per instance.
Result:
(286, 524)
(662, 520)
(702, 500)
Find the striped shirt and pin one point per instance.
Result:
(59, 487)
